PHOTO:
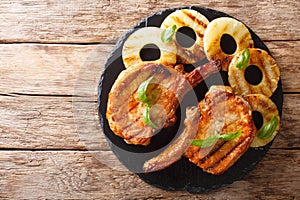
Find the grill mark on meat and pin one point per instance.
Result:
(177, 85)
(217, 146)
(133, 105)
(220, 98)
(237, 117)
(140, 135)
(242, 145)
(224, 156)
(131, 136)
(128, 126)
(224, 163)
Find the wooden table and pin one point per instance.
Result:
(46, 48)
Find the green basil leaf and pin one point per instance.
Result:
(197, 143)
(230, 136)
(146, 118)
(209, 141)
(267, 130)
(167, 34)
(143, 89)
(243, 60)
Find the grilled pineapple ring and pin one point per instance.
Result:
(270, 74)
(268, 110)
(142, 37)
(213, 34)
(194, 20)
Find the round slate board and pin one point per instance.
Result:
(181, 175)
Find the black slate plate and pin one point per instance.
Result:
(182, 175)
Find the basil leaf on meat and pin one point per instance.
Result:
(209, 141)
(142, 95)
(146, 117)
(230, 136)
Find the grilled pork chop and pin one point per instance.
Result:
(222, 112)
(167, 89)
(177, 148)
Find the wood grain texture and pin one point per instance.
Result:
(79, 175)
(48, 109)
(42, 122)
(53, 73)
(57, 69)
(103, 21)
(48, 69)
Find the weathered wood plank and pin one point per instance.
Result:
(86, 21)
(39, 116)
(47, 69)
(57, 69)
(38, 122)
(288, 137)
(287, 57)
(42, 122)
(78, 175)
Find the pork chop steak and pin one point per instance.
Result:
(167, 89)
(222, 112)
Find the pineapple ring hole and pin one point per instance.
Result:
(258, 119)
(186, 36)
(150, 52)
(253, 75)
(228, 44)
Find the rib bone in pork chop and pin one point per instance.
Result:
(167, 89)
(177, 148)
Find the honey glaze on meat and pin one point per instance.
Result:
(222, 112)
(166, 90)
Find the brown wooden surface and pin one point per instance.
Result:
(48, 97)
(86, 21)
(71, 174)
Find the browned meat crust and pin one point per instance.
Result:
(222, 112)
(125, 111)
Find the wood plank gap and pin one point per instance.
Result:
(44, 95)
(82, 98)
(59, 43)
(50, 150)
(7, 95)
(16, 94)
(291, 92)
(290, 40)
